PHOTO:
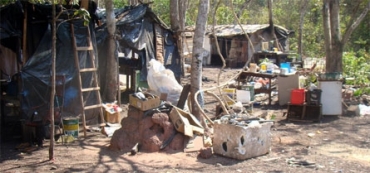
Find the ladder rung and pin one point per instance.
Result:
(92, 107)
(88, 69)
(90, 89)
(84, 48)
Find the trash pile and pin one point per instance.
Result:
(159, 119)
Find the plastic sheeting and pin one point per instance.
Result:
(136, 31)
(36, 75)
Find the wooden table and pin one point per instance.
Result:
(245, 74)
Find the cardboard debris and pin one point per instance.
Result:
(185, 122)
(194, 144)
(112, 112)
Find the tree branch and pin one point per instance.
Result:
(355, 24)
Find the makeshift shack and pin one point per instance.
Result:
(26, 52)
(141, 36)
(235, 47)
(26, 36)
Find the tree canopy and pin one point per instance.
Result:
(286, 13)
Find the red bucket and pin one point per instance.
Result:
(297, 96)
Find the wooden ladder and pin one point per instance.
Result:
(94, 87)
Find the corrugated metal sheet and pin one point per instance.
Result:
(231, 30)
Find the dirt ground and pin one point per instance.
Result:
(336, 144)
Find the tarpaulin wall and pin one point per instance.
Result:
(137, 31)
(36, 73)
(11, 18)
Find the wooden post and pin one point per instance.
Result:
(52, 95)
(85, 4)
(24, 44)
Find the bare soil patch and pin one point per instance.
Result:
(336, 144)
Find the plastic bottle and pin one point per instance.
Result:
(302, 82)
(270, 68)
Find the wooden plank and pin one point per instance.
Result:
(89, 70)
(90, 89)
(184, 96)
(92, 107)
(84, 48)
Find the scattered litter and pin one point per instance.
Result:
(112, 107)
(219, 165)
(364, 110)
(110, 129)
(311, 134)
(65, 139)
(293, 162)
(271, 159)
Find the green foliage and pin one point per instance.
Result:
(162, 9)
(357, 65)
(6, 2)
(224, 16)
(286, 13)
(120, 3)
(83, 14)
(361, 91)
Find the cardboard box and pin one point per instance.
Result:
(111, 117)
(185, 122)
(144, 105)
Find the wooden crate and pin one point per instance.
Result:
(304, 112)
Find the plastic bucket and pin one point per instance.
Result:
(71, 127)
(286, 66)
(297, 96)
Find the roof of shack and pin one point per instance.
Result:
(233, 30)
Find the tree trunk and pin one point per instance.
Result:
(132, 2)
(182, 6)
(326, 24)
(52, 95)
(177, 18)
(174, 15)
(271, 22)
(111, 74)
(334, 61)
(334, 44)
(301, 22)
(198, 53)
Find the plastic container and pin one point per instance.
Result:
(313, 97)
(250, 88)
(263, 67)
(253, 67)
(285, 65)
(297, 96)
(71, 126)
(270, 68)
